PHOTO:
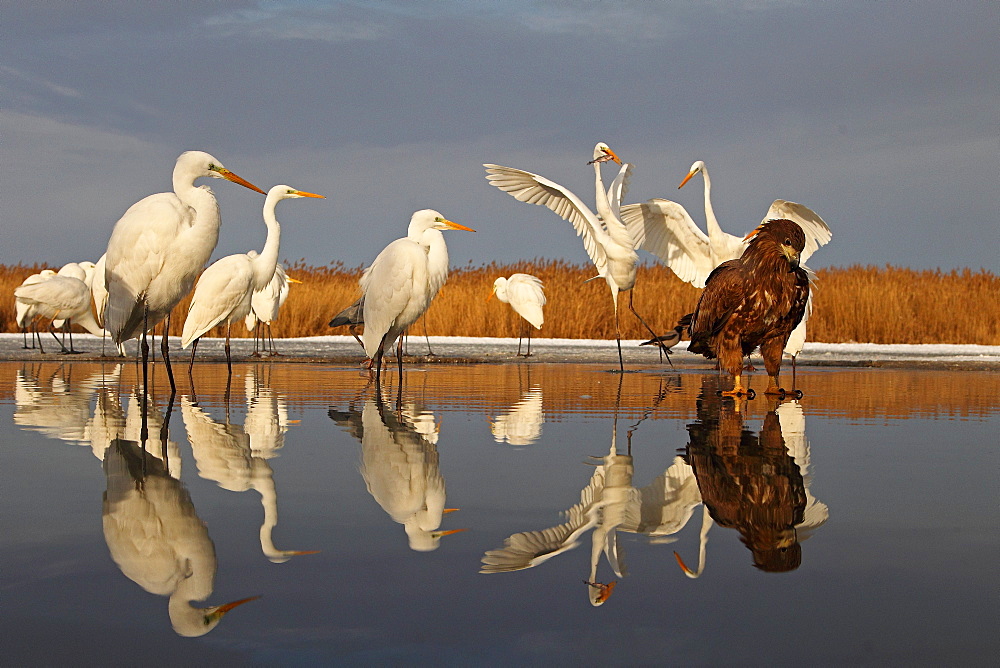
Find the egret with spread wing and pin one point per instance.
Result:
(665, 229)
(606, 239)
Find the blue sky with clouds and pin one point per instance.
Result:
(881, 116)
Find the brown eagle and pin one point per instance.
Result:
(755, 300)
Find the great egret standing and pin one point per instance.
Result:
(158, 249)
(24, 313)
(665, 229)
(607, 241)
(525, 295)
(399, 285)
(63, 299)
(264, 307)
(225, 289)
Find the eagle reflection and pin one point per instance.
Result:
(755, 483)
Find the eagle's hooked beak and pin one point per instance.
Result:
(792, 255)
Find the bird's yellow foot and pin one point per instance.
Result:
(738, 390)
(605, 589)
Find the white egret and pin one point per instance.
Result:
(399, 285)
(665, 229)
(158, 249)
(231, 455)
(265, 305)
(63, 298)
(607, 241)
(225, 289)
(526, 296)
(24, 313)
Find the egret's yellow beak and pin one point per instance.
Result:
(230, 176)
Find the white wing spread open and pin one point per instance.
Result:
(816, 230)
(534, 189)
(665, 229)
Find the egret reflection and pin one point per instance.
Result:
(755, 483)
(521, 424)
(609, 504)
(56, 404)
(156, 538)
(400, 466)
(235, 456)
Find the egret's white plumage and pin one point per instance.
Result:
(266, 303)
(224, 291)
(61, 298)
(606, 239)
(160, 246)
(235, 456)
(521, 424)
(525, 295)
(399, 285)
(24, 313)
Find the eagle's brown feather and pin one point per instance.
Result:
(754, 301)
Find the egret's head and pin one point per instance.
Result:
(499, 289)
(429, 219)
(194, 164)
(603, 153)
(696, 167)
(281, 192)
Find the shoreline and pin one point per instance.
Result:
(344, 350)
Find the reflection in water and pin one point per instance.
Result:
(399, 463)
(608, 504)
(155, 536)
(521, 424)
(236, 456)
(754, 483)
(56, 406)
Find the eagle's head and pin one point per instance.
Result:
(778, 234)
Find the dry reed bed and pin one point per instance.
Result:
(859, 303)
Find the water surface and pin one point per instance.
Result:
(858, 525)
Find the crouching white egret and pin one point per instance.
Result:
(526, 296)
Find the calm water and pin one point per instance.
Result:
(856, 526)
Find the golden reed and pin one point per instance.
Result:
(854, 304)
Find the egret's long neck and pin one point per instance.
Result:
(603, 204)
(264, 484)
(711, 222)
(206, 220)
(264, 264)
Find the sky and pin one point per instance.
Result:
(883, 117)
